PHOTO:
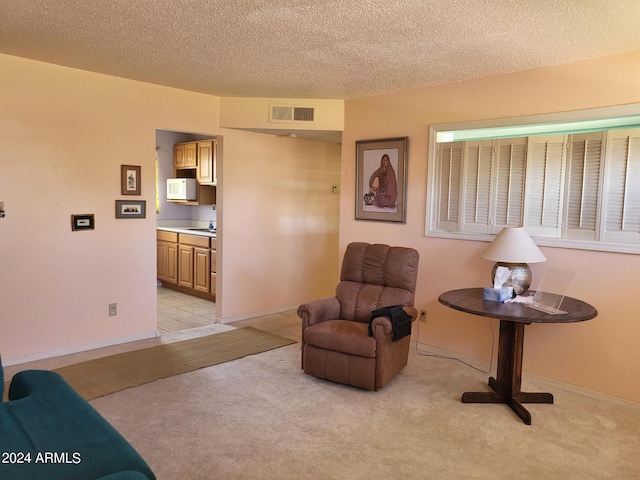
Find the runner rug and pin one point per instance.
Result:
(95, 378)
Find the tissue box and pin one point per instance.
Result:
(501, 294)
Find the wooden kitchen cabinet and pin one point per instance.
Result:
(167, 253)
(197, 160)
(187, 263)
(185, 155)
(190, 155)
(194, 262)
(207, 162)
(185, 266)
(178, 155)
(201, 269)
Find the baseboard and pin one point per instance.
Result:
(117, 341)
(553, 384)
(77, 348)
(262, 313)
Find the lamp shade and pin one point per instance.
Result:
(513, 245)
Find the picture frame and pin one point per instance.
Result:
(381, 180)
(85, 221)
(131, 208)
(130, 180)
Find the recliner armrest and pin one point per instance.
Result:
(385, 320)
(319, 310)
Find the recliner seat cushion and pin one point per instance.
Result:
(342, 336)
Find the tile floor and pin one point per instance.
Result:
(178, 311)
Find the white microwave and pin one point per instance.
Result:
(181, 188)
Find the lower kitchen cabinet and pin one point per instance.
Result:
(187, 263)
(167, 245)
(185, 266)
(201, 269)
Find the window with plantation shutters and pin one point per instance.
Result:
(576, 190)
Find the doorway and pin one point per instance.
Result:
(178, 310)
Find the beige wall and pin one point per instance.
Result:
(600, 354)
(280, 222)
(63, 135)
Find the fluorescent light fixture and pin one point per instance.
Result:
(555, 128)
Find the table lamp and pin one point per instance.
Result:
(513, 248)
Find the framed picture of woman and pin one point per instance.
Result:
(381, 180)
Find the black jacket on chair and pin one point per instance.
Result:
(400, 320)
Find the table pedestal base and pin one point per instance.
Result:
(506, 385)
(515, 403)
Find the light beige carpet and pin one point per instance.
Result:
(102, 376)
(261, 417)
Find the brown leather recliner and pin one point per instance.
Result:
(335, 339)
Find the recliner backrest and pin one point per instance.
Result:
(374, 276)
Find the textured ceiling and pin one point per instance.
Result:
(314, 48)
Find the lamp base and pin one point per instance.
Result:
(519, 277)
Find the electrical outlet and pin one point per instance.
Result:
(423, 315)
(113, 309)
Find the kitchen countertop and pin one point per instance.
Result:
(190, 231)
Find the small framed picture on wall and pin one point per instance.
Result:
(131, 209)
(130, 180)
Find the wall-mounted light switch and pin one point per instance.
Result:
(113, 309)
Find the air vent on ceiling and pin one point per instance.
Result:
(279, 113)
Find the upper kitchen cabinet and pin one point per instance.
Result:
(185, 155)
(207, 160)
(197, 160)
